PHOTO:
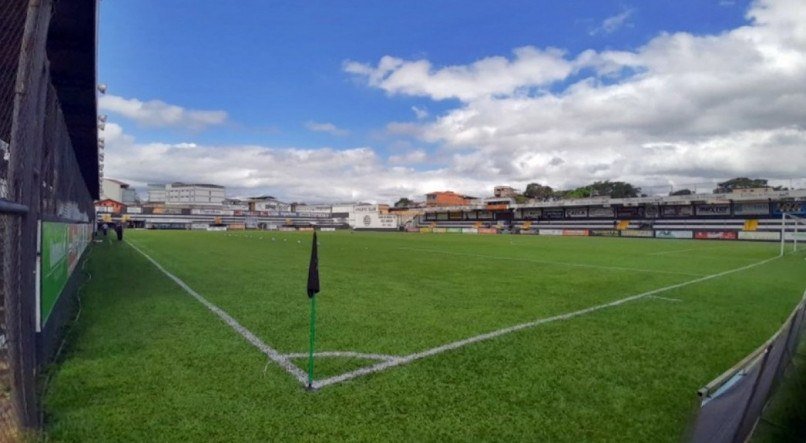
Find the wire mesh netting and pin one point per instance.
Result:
(732, 405)
(12, 25)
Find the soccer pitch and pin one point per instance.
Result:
(420, 336)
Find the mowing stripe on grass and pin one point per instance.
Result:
(556, 263)
(490, 335)
(272, 353)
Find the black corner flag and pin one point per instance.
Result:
(313, 270)
(313, 288)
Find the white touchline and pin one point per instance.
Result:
(343, 354)
(664, 298)
(490, 335)
(272, 353)
(556, 263)
(390, 361)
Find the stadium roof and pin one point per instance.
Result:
(72, 46)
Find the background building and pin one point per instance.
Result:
(119, 191)
(505, 191)
(194, 194)
(156, 193)
(447, 198)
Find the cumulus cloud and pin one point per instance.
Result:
(530, 67)
(157, 113)
(328, 128)
(680, 108)
(295, 174)
(409, 158)
(420, 113)
(613, 24)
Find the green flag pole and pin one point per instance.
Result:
(313, 339)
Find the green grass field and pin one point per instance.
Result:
(146, 361)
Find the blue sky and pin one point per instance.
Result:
(290, 77)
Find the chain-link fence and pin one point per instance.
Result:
(731, 405)
(48, 142)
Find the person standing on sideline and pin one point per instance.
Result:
(105, 228)
(119, 231)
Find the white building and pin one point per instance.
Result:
(118, 191)
(156, 193)
(188, 194)
(268, 203)
(312, 209)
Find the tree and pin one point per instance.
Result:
(682, 192)
(521, 199)
(538, 191)
(601, 189)
(729, 186)
(404, 203)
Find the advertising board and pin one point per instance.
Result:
(134, 210)
(754, 208)
(327, 229)
(677, 211)
(716, 235)
(530, 213)
(201, 211)
(630, 212)
(603, 233)
(667, 233)
(793, 207)
(759, 235)
(236, 226)
(644, 233)
(601, 212)
(470, 231)
(576, 212)
(62, 245)
(286, 229)
(790, 236)
(216, 228)
(373, 220)
(550, 231)
(575, 232)
(439, 230)
(425, 230)
(487, 231)
(713, 209)
(199, 226)
(454, 230)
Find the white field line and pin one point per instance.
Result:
(664, 298)
(490, 335)
(272, 353)
(343, 354)
(556, 263)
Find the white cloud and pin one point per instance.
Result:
(323, 175)
(328, 128)
(409, 158)
(530, 67)
(157, 113)
(420, 113)
(613, 24)
(682, 108)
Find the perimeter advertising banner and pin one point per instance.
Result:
(62, 245)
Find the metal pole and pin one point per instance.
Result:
(783, 231)
(313, 339)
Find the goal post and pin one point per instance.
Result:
(792, 228)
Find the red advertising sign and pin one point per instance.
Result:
(716, 235)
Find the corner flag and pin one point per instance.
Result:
(313, 270)
(313, 288)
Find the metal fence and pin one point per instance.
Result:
(40, 178)
(731, 405)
